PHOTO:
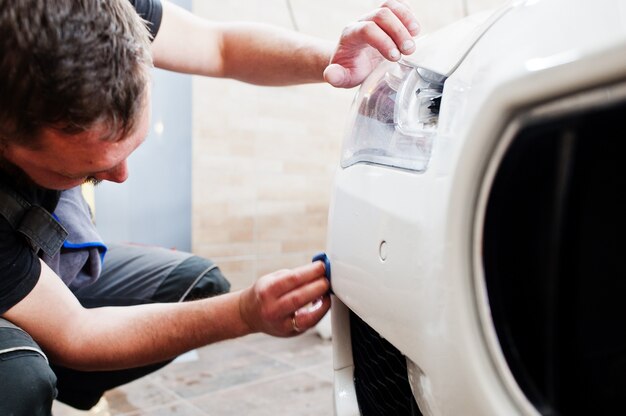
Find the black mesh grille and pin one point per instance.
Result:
(380, 374)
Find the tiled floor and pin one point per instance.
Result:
(257, 375)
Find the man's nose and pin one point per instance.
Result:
(117, 174)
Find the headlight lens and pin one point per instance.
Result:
(394, 118)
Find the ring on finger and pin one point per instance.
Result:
(294, 324)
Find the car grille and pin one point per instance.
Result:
(553, 256)
(380, 374)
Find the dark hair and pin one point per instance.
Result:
(68, 64)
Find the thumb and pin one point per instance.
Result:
(336, 75)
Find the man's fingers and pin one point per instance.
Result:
(306, 318)
(402, 10)
(302, 296)
(370, 33)
(393, 29)
(388, 29)
(283, 281)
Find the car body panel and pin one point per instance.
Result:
(443, 50)
(425, 297)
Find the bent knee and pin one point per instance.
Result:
(210, 283)
(29, 384)
(194, 278)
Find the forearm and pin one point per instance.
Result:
(255, 53)
(267, 55)
(123, 337)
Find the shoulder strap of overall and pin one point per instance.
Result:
(40, 228)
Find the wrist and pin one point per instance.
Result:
(327, 50)
(244, 314)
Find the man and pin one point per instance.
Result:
(74, 103)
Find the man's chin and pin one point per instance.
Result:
(90, 180)
(22, 179)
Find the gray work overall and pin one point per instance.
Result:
(131, 275)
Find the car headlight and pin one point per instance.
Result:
(394, 118)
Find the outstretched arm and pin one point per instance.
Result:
(267, 55)
(112, 338)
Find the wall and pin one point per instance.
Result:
(154, 205)
(264, 158)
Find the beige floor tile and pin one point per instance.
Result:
(220, 366)
(299, 394)
(304, 351)
(138, 395)
(180, 408)
(257, 375)
(322, 371)
(100, 409)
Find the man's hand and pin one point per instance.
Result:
(386, 32)
(277, 303)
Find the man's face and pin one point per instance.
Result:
(63, 161)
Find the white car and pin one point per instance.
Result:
(476, 227)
